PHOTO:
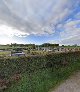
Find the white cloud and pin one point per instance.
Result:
(71, 33)
(34, 16)
(70, 29)
(10, 32)
(77, 16)
(71, 41)
(24, 17)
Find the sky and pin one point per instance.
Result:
(35, 21)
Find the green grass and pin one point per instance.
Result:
(5, 53)
(45, 79)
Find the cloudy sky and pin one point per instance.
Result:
(35, 21)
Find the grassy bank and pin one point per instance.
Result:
(43, 81)
(39, 74)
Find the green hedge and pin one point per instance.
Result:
(10, 66)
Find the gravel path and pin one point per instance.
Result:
(70, 85)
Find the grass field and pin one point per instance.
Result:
(4, 53)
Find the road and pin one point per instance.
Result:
(70, 85)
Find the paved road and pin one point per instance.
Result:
(70, 85)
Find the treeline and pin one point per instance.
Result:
(15, 46)
(43, 45)
(28, 45)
